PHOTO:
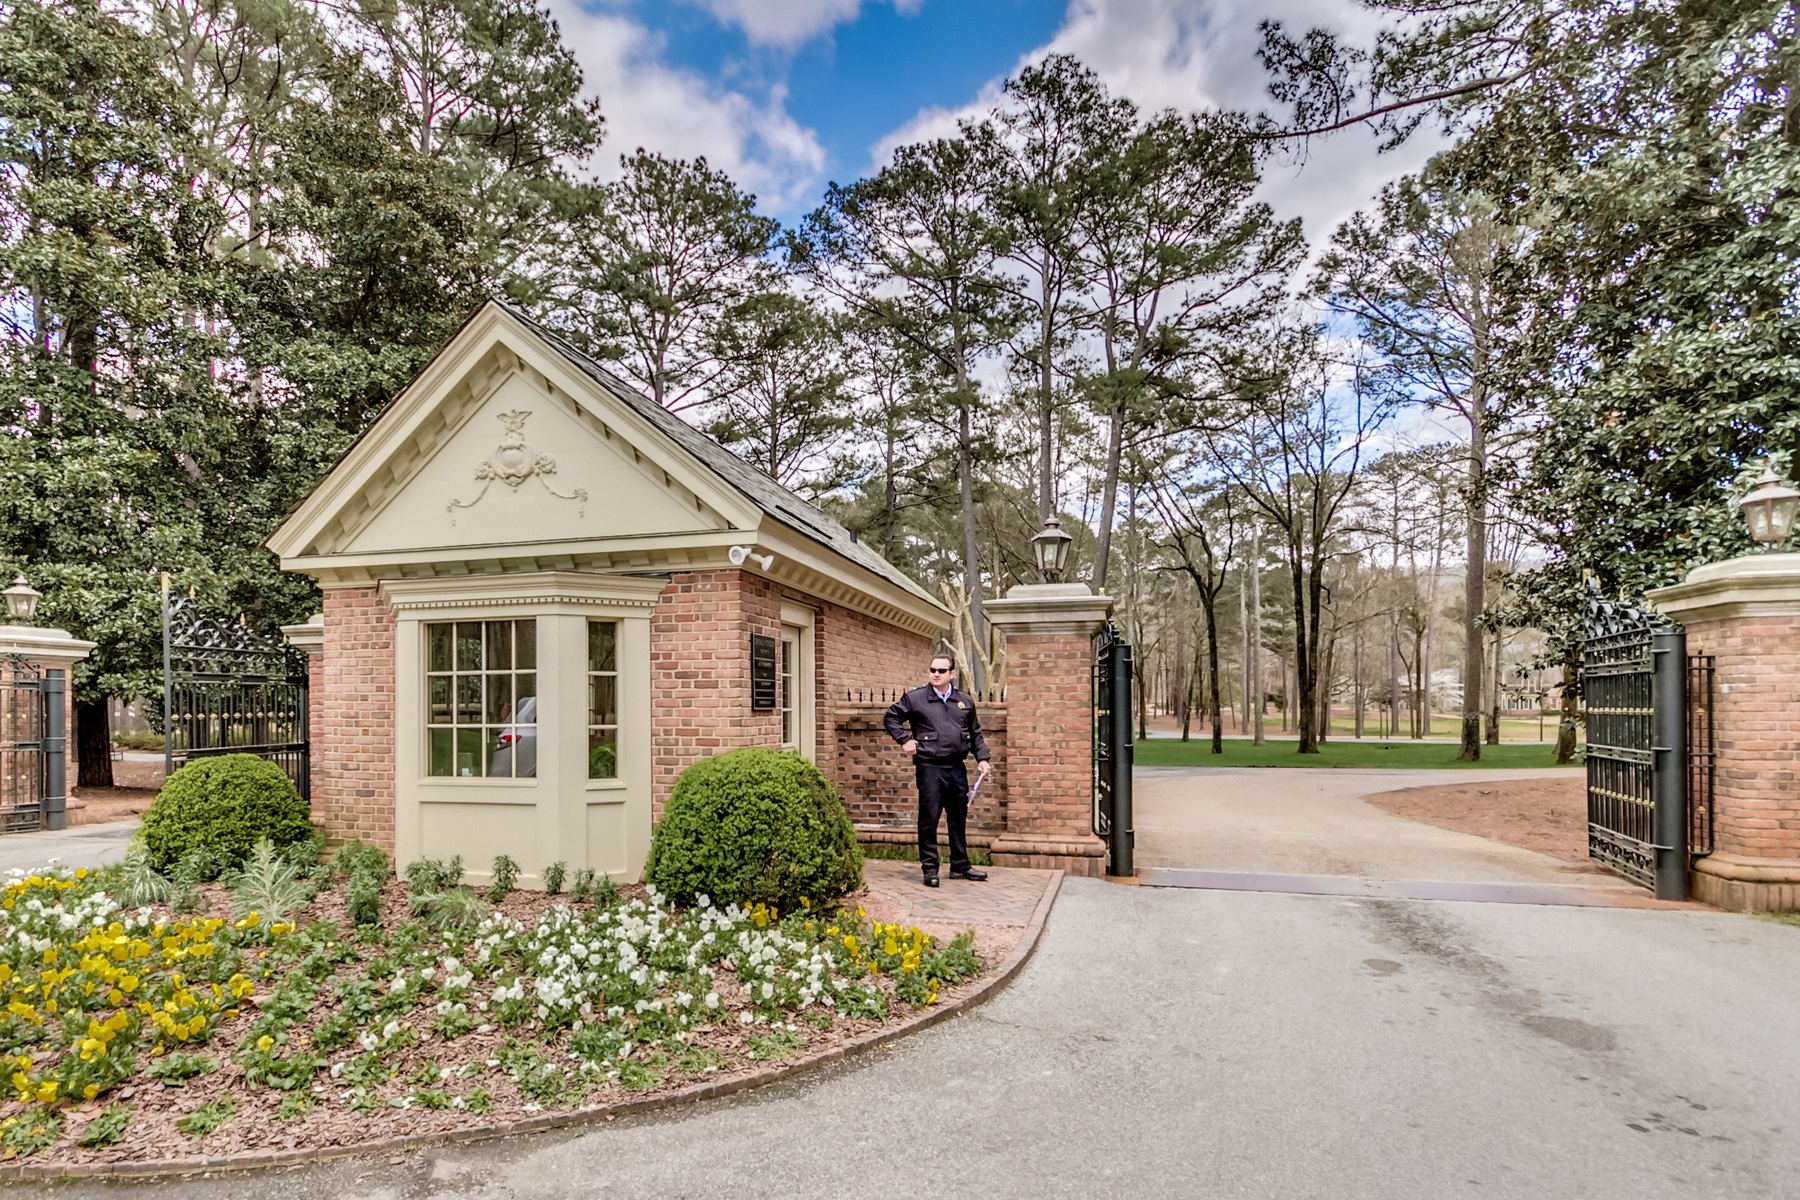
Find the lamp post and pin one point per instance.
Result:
(21, 600)
(1051, 549)
(1769, 509)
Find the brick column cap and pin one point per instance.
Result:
(1050, 608)
(46, 647)
(1753, 585)
(309, 635)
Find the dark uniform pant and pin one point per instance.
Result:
(943, 789)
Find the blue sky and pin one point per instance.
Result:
(787, 95)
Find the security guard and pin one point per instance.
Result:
(936, 724)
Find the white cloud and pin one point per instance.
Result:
(788, 23)
(1197, 54)
(651, 104)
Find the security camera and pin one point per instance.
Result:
(738, 554)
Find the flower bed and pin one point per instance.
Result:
(144, 1033)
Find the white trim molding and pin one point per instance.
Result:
(1755, 585)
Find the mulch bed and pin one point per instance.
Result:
(102, 806)
(1547, 815)
(717, 1052)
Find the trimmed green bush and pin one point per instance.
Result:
(754, 825)
(224, 805)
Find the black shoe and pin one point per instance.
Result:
(931, 881)
(972, 875)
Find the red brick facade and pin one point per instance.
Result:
(1050, 754)
(1756, 724)
(352, 719)
(876, 778)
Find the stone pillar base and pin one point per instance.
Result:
(1076, 856)
(1739, 884)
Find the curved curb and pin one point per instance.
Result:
(251, 1160)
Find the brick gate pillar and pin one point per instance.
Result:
(309, 638)
(1746, 614)
(1050, 631)
(49, 650)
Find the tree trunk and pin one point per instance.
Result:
(93, 744)
(1109, 496)
(1212, 674)
(1565, 729)
(1046, 398)
(1493, 733)
(1357, 692)
(1394, 677)
(965, 480)
(1475, 580)
(1244, 650)
(1260, 695)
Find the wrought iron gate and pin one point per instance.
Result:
(33, 745)
(1113, 747)
(228, 689)
(1649, 746)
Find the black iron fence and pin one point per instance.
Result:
(1113, 748)
(1650, 751)
(33, 747)
(228, 689)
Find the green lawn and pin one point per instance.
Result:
(1172, 752)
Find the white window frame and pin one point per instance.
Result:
(798, 627)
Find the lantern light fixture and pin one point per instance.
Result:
(1769, 509)
(1051, 549)
(21, 600)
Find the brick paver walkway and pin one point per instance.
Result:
(1007, 898)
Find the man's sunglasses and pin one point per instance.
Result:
(941, 670)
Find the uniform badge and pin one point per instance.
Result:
(960, 704)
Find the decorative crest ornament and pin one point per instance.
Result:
(513, 462)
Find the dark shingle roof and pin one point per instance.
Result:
(762, 491)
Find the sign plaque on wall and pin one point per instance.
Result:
(762, 673)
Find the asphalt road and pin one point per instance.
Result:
(1187, 1043)
(77, 846)
(1315, 822)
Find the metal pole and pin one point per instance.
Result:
(168, 729)
(56, 743)
(1668, 649)
(1121, 832)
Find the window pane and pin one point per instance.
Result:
(603, 754)
(524, 752)
(499, 645)
(525, 687)
(468, 700)
(442, 743)
(468, 646)
(438, 687)
(603, 637)
(438, 653)
(499, 699)
(525, 645)
(603, 705)
(471, 754)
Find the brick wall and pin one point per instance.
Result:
(700, 667)
(1050, 749)
(876, 777)
(1756, 725)
(352, 720)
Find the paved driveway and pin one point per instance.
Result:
(78, 846)
(1314, 822)
(1172, 1043)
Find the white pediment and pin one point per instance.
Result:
(526, 464)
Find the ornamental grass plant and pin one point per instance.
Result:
(140, 1032)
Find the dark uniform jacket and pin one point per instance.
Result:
(947, 730)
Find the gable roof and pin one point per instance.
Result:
(731, 483)
(768, 495)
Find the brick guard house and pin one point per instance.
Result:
(545, 596)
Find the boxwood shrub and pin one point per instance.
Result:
(225, 804)
(754, 825)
